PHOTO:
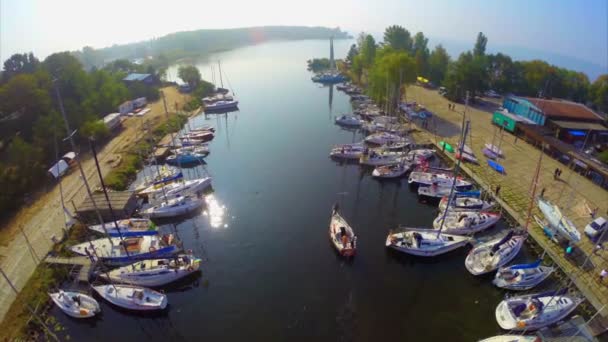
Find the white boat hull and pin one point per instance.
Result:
(128, 297)
(88, 306)
(554, 308)
(154, 273)
(473, 222)
(430, 243)
(342, 235)
(481, 260)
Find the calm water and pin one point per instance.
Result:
(270, 272)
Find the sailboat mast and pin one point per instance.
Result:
(219, 66)
(332, 62)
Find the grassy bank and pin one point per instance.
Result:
(132, 160)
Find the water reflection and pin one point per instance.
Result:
(215, 211)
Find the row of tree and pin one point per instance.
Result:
(30, 120)
(404, 57)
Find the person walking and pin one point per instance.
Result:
(556, 173)
(603, 274)
(542, 193)
(497, 190)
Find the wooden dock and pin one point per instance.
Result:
(82, 266)
(161, 153)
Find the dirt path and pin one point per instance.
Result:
(44, 217)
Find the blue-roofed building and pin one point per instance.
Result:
(525, 109)
(143, 78)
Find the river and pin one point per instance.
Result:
(270, 273)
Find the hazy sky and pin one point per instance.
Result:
(577, 28)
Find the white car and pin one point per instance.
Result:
(492, 93)
(596, 227)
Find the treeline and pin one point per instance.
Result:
(474, 71)
(193, 43)
(30, 120)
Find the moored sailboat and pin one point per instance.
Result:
(132, 297)
(341, 234)
(155, 272)
(489, 256)
(523, 276)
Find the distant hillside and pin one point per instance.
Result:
(191, 43)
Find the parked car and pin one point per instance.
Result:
(442, 91)
(595, 228)
(492, 93)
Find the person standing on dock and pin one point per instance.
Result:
(542, 193)
(556, 173)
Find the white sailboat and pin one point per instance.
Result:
(75, 304)
(489, 256)
(374, 158)
(522, 277)
(190, 187)
(382, 138)
(425, 242)
(341, 234)
(349, 121)
(127, 228)
(392, 171)
(132, 297)
(535, 311)
(558, 222)
(465, 222)
(350, 152)
(181, 205)
(441, 180)
(155, 272)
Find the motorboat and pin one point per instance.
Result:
(349, 121)
(116, 251)
(222, 105)
(341, 234)
(75, 304)
(154, 272)
(127, 228)
(181, 205)
(424, 242)
(558, 222)
(374, 158)
(512, 338)
(132, 297)
(464, 203)
(420, 178)
(489, 256)
(392, 171)
(523, 276)
(494, 149)
(535, 311)
(352, 152)
(383, 138)
(465, 222)
(186, 158)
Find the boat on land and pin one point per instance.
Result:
(464, 203)
(341, 234)
(535, 311)
(489, 256)
(496, 167)
(349, 121)
(155, 272)
(131, 297)
(392, 171)
(523, 276)
(466, 149)
(465, 222)
(383, 138)
(447, 147)
(180, 205)
(424, 242)
(75, 304)
(466, 157)
(419, 178)
(558, 222)
(128, 250)
(127, 228)
(351, 152)
(494, 149)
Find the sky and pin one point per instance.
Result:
(571, 28)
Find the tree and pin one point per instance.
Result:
(501, 72)
(438, 64)
(421, 53)
(480, 45)
(469, 73)
(368, 51)
(352, 52)
(398, 38)
(598, 94)
(18, 64)
(390, 68)
(24, 96)
(190, 75)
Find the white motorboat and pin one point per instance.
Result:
(425, 242)
(522, 277)
(75, 304)
(512, 338)
(418, 178)
(494, 149)
(352, 152)
(155, 272)
(489, 256)
(341, 234)
(558, 222)
(534, 311)
(349, 121)
(374, 158)
(465, 222)
(127, 227)
(132, 297)
(392, 171)
(128, 250)
(382, 138)
(465, 203)
(181, 205)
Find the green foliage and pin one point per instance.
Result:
(20, 63)
(94, 128)
(352, 52)
(468, 73)
(202, 90)
(604, 156)
(438, 65)
(318, 64)
(390, 68)
(480, 45)
(398, 38)
(119, 178)
(421, 54)
(598, 94)
(368, 51)
(189, 74)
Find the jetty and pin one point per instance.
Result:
(82, 266)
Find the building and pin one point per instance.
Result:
(524, 109)
(148, 79)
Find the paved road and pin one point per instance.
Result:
(44, 218)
